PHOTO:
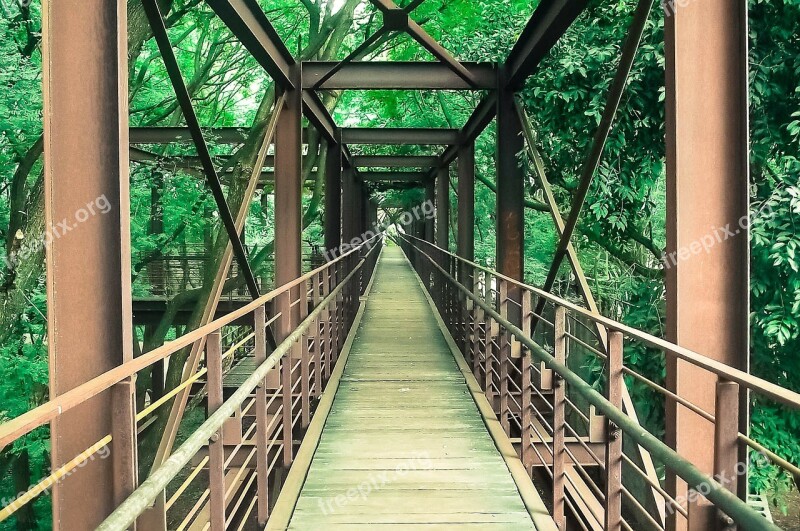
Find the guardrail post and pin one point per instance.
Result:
(559, 417)
(216, 450)
(305, 359)
(262, 418)
(123, 439)
(320, 331)
(286, 388)
(504, 344)
(726, 446)
(613, 458)
(526, 366)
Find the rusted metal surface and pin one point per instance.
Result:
(466, 201)
(707, 187)
(250, 25)
(391, 176)
(443, 207)
(395, 161)
(400, 136)
(333, 197)
(395, 75)
(88, 236)
(613, 461)
(510, 253)
(429, 223)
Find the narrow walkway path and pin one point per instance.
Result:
(404, 446)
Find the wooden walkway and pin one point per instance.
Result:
(404, 445)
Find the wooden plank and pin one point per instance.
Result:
(404, 443)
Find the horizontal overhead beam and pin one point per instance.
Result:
(400, 136)
(375, 75)
(394, 161)
(392, 176)
(169, 135)
(250, 25)
(548, 23)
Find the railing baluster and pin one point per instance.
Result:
(286, 389)
(123, 439)
(526, 413)
(559, 417)
(305, 361)
(504, 343)
(726, 441)
(216, 449)
(262, 419)
(613, 461)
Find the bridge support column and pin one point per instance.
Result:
(466, 202)
(428, 223)
(288, 198)
(706, 263)
(510, 188)
(333, 199)
(443, 207)
(349, 208)
(87, 248)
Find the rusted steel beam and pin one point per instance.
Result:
(547, 24)
(156, 21)
(443, 207)
(333, 67)
(87, 217)
(601, 135)
(288, 199)
(333, 197)
(428, 223)
(318, 114)
(510, 189)
(250, 25)
(466, 202)
(383, 75)
(349, 193)
(395, 161)
(391, 176)
(707, 186)
(400, 136)
(169, 135)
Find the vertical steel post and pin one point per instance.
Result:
(216, 448)
(288, 199)
(510, 187)
(707, 275)
(87, 238)
(613, 457)
(262, 420)
(726, 440)
(333, 199)
(350, 201)
(465, 235)
(443, 207)
(559, 418)
(428, 223)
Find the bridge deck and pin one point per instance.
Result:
(404, 445)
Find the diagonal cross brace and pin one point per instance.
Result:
(613, 99)
(156, 21)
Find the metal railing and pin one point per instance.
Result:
(567, 428)
(277, 396)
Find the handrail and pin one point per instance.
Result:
(128, 511)
(761, 386)
(41, 415)
(726, 501)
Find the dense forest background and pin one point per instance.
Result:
(620, 237)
